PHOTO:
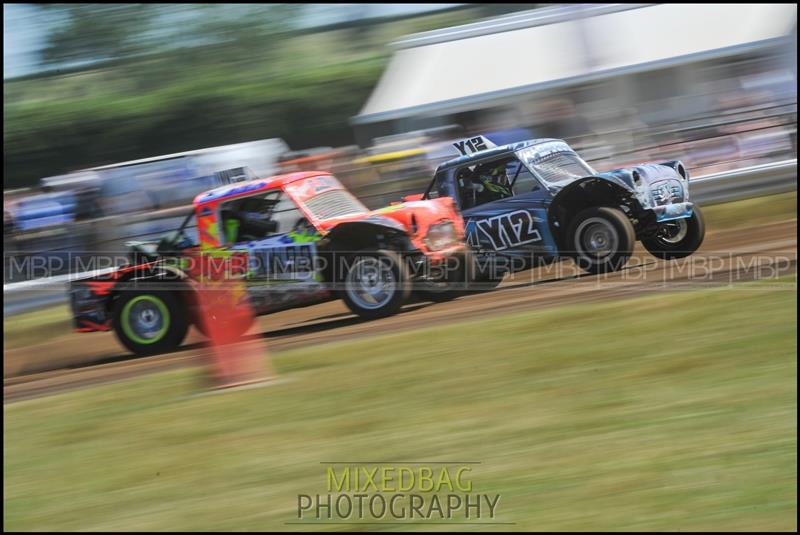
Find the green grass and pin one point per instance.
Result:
(749, 212)
(36, 326)
(669, 412)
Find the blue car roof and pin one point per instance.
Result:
(494, 151)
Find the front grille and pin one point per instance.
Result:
(335, 203)
(666, 193)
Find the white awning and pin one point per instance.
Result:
(449, 74)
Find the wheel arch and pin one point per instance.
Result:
(586, 193)
(161, 276)
(358, 236)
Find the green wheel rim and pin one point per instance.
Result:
(145, 305)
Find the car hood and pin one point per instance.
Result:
(373, 217)
(654, 184)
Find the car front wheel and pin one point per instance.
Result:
(678, 238)
(601, 239)
(375, 285)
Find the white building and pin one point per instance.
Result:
(664, 59)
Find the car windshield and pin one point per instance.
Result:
(188, 228)
(555, 163)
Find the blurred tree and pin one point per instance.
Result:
(240, 33)
(96, 32)
(224, 32)
(358, 34)
(184, 76)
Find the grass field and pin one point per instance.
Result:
(669, 412)
(749, 212)
(30, 327)
(33, 327)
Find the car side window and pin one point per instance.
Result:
(259, 216)
(440, 187)
(467, 189)
(486, 182)
(525, 182)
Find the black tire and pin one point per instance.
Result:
(486, 283)
(678, 239)
(438, 292)
(485, 275)
(164, 308)
(454, 281)
(600, 239)
(376, 270)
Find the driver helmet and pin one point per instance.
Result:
(497, 179)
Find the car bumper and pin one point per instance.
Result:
(441, 256)
(437, 265)
(669, 212)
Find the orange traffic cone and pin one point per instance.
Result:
(225, 315)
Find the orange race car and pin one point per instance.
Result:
(292, 240)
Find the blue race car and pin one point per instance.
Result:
(537, 201)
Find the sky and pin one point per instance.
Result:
(25, 28)
(23, 36)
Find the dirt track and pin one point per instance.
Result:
(727, 257)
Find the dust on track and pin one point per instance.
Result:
(727, 257)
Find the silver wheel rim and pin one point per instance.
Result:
(596, 239)
(145, 319)
(673, 232)
(371, 283)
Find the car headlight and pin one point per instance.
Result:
(441, 235)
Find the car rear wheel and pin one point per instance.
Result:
(151, 322)
(487, 272)
(437, 291)
(376, 284)
(601, 239)
(678, 238)
(486, 283)
(454, 280)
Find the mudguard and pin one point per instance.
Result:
(662, 188)
(370, 232)
(418, 216)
